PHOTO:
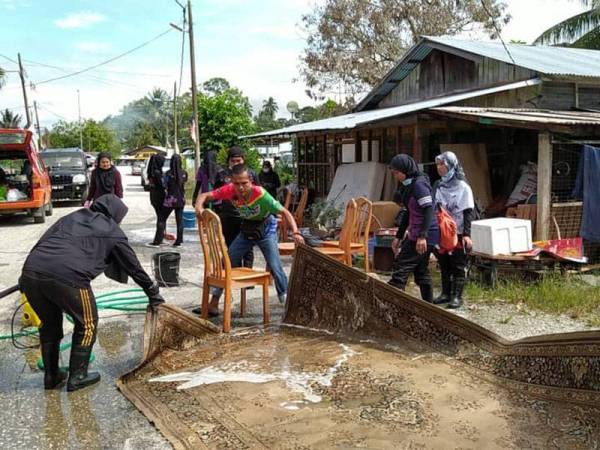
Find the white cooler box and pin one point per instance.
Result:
(501, 236)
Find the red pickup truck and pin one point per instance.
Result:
(24, 181)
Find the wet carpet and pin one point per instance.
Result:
(359, 365)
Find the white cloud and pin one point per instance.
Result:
(79, 20)
(92, 46)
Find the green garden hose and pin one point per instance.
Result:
(109, 301)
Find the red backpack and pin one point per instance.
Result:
(447, 225)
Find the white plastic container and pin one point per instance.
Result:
(501, 236)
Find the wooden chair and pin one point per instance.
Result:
(359, 241)
(219, 273)
(282, 229)
(298, 214)
(301, 207)
(342, 252)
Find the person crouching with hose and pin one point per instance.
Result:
(56, 278)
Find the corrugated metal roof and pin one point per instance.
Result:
(560, 61)
(349, 121)
(531, 116)
(553, 61)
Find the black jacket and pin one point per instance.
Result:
(81, 245)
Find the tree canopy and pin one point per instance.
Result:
(10, 119)
(581, 30)
(97, 137)
(352, 44)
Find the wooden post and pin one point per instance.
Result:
(398, 141)
(369, 146)
(544, 186)
(416, 150)
(357, 147)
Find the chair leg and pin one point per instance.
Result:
(227, 310)
(266, 302)
(243, 303)
(367, 266)
(205, 294)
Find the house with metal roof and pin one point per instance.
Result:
(499, 107)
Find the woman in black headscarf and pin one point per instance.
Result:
(269, 179)
(106, 179)
(417, 232)
(174, 200)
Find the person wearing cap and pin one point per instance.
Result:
(418, 232)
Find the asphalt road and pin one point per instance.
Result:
(97, 417)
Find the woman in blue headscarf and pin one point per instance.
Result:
(453, 193)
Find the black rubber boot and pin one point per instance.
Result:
(457, 289)
(53, 375)
(426, 292)
(78, 365)
(446, 290)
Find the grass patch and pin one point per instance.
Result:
(552, 294)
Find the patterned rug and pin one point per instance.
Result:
(358, 364)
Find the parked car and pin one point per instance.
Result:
(137, 167)
(144, 176)
(68, 173)
(27, 187)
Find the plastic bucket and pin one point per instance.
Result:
(189, 219)
(166, 268)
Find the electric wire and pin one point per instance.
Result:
(87, 69)
(487, 11)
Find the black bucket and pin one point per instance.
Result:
(166, 268)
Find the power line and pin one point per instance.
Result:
(64, 69)
(107, 61)
(487, 11)
(9, 59)
(45, 108)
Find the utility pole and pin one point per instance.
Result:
(22, 75)
(80, 128)
(175, 131)
(37, 122)
(194, 90)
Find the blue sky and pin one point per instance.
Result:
(255, 44)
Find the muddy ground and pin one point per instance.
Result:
(99, 417)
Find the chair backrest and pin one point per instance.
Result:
(299, 213)
(364, 215)
(216, 258)
(288, 199)
(348, 226)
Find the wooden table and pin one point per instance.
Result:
(490, 264)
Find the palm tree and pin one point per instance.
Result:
(581, 30)
(10, 120)
(270, 108)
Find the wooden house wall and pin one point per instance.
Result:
(442, 73)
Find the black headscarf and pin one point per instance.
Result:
(407, 165)
(176, 181)
(155, 165)
(210, 166)
(105, 178)
(111, 206)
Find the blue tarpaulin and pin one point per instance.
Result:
(587, 187)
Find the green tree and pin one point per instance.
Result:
(352, 44)
(223, 118)
(10, 120)
(252, 158)
(97, 137)
(216, 86)
(270, 108)
(581, 30)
